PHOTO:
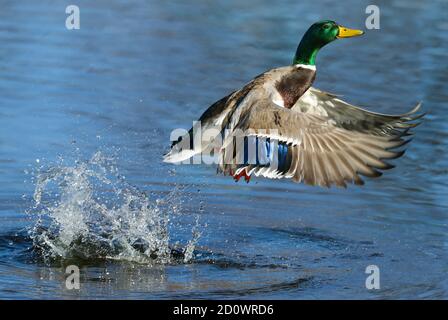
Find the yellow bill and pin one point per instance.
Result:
(348, 33)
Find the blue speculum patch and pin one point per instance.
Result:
(266, 152)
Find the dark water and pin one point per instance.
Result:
(85, 116)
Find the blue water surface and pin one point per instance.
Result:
(138, 69)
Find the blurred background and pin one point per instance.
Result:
(85, 116)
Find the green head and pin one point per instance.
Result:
(317, 36)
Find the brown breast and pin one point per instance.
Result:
(293, 85)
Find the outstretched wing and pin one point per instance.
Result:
(183, 148)
(215, 117)
(319, 151)
(350, 117)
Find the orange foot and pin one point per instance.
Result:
(243, 173)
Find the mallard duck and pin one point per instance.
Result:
(279, 126)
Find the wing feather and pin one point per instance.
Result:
(350, 117)
(322, 152)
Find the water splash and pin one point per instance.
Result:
(88, 211)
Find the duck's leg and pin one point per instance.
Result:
(242, 173)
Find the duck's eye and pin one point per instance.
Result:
(326, 26)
